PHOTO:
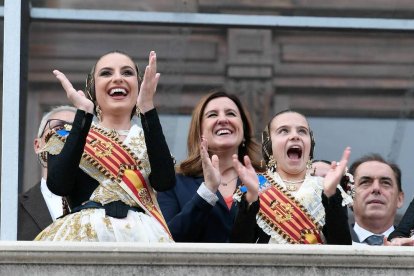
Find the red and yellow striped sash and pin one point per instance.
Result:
(286, 216)
(116, 161)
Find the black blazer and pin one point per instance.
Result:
(354, 235)
(33, 214)
(406, 224)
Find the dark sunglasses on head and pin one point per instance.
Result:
(61, 127)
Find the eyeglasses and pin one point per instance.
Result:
(59, 126)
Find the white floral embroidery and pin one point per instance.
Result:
(309, 195)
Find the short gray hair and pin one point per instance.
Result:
(50, 113)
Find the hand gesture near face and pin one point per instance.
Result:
(335, 173)
(248, 176)
(77, 98)
(145, 100)
(211, 171)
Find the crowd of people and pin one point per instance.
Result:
(105, 178)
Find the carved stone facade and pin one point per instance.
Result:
(318, 72)
(250, 71)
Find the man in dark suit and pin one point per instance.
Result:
(38, 207)
(378, 195)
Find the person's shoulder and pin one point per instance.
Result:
(185, 179)
(182, 177)
(184, 185)
(33, 190)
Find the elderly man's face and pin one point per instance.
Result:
(376, 193)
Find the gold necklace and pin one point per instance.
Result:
(227, 182)
(291, 184)
(115, 132)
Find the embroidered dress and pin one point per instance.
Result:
(122, 171)
(288, 217)
(308, 196)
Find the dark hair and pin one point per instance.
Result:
(192, 164)
(90, 80)
(267, 142)
(322, 161)
(378, 158)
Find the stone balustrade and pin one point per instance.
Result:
(44, 258)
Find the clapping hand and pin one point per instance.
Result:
(211, 171)
(77, 98)
(248, 176)
(145, 100)
(335, 173)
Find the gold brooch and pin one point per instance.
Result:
(67, 127)
(102, 149)
(283, 211)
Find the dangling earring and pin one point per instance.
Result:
(243, 144)
(309, 164)
(65, 206)
(99, 113)
(137, 111)
(271, 164)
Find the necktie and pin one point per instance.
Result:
(375, 240)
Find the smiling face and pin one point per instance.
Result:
(116, 84)
(291, 143)
(222, 126)
(377, 197)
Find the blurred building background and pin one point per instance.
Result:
(356, 86)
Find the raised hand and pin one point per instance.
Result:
(335, 173)
(145, 100)
(211, 171)
(77, 98)
(248, 176)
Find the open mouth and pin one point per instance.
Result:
(294, 152)
(118, 93)
(223, 131)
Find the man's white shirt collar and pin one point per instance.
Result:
(53, 202)
(363, 233)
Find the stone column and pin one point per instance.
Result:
(250, 73)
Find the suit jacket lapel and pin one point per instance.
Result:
(354, 235)
(35, 205)
(222, 202)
